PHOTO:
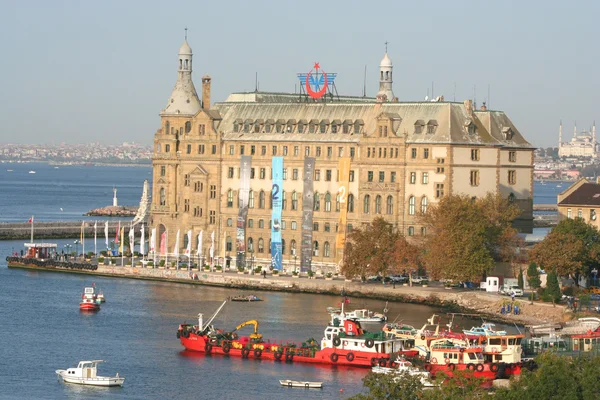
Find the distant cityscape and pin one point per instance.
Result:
(67, 153)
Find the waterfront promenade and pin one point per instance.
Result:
(460, 300)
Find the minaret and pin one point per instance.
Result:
(386, 92)
(560, 134)
(594, 138)
(184, 99)
(575, 130)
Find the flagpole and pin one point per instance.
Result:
(32, 229)
(83, 239)
(167, 250)
(95, 238)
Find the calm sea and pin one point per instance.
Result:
(42, 330)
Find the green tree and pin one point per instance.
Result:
(520, 279)
(384, 387)
(571, 248)
(552, 287)
(465, 237)
(533, 276)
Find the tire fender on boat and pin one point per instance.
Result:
(208, 348)
(494, 367)
(422, 337)
(451, 366)
(226, 347)
(337, 341)
(433, 360)
(333, 357)
(382, 362)
(447, 361)
(245, 353)
(350, 357)
(289, 357)
(471, 367)
(278, 354)
(186, 334)
(369, 343)
(257, 353)
(480, 367)
(373, 361)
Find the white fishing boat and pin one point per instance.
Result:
(360, 315)
(301, 384)
(401, 367)
(32, 172)
(86, 374)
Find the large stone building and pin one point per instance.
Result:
(404, 157)
(582, 144)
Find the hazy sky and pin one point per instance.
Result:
(86, 71)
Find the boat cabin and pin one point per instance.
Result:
(538, 345)
(40, 250)
(85, 369)
(586, 342)
(445, 351)
(352, 337)
(505, 348)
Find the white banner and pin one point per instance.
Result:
(188, 249)
(199, 251)
(153, 240)
(131, 238)
(142, 239)
(106, 233)
(212, 245)
(176, 249)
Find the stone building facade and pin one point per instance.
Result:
(404, 157)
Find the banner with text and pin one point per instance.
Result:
(307, 215)
(243, 210)
(276, 199)
(342, 199)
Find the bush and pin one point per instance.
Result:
(219, 268)
(553, 288)
(90, 254)
(104, 253)
(161, 263)
(329, 275)
(173, 264)
(275, 272)
(207, 267)
(184, 266)
(100, 260)
(150, 263)
(240, 268)
(311, 273)
(295, 273)
(258, 269)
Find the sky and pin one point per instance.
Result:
(101, 71)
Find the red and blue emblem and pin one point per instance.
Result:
(316, 82)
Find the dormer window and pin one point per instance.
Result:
(431, 126)
(289, 128)
(507, 133)
(237, 125)
(419, 126)
(323, 126)
(257, 125)
(346, 126)
(269, 126)
(358, 125)
(279, 126)
(301, 126)
(247, 124)
(312, 126)
(472, 129)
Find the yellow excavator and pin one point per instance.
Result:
(255, 335)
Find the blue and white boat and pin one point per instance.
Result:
(486, 329)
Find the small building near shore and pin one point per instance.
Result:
(581, 200)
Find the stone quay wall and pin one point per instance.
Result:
(52, 230)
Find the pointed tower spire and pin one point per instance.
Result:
(386, 92)
(594, 134)
(184, 98)
(575, 130)
(560, 134)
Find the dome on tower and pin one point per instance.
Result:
(185, 48)
(386, 62)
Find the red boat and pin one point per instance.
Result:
(344, 343)
(89, 300)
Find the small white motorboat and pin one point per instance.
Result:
(32, 172)
(85, 374)
(360, 315)
(301, 384)
(405, 367)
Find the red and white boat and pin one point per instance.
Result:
(89, 300)
(344, 342)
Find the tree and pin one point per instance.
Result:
(520, 279)
(533, 276)
(552, 287)
(384, 386)
(369, 250)
(466, 237)
(571, 248)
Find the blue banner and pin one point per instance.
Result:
(277, 197)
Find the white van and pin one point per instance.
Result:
(510, 289)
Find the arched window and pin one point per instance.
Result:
(294, 200)
(261, 199)
(328, 202)
(293, 247)
(261, 245)
(229, 246)
(282, 246)
(163, 197)
(337, 202)
(411, 231)
(367, 204)
(424, 205)
(378, 204)
(251, 199)
(390, 205)
(283, 200)
(326, 249)
(185, 241)
(250, 245)
(230, 198)
(351, 203)
(316, 202)
(315, 248)
(411, 205)
(167, 127)
(188, 126)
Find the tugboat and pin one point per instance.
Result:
(89, 300)
(344, 342)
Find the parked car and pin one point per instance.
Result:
(510, 289)
(419, 279)
(399, 278)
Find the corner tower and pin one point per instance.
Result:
(386, 92)
(184, 99)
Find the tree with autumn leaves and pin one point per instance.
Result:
(571, 248)
(465, 237)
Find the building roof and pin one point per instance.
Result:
(456, 123)
(588, 194)
(185, 48)
(386, 62)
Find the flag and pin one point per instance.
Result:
(82, 239)
(122, 239)
(95, 235)
(163, 243)
(153, 240)
(131, 238)
(117, 234)
(106, 233)
(188, 250)
(199, 251)
(31, 220)
(176, 249)
(212, 245)
(142, 239)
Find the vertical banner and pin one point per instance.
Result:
(307, 215)
(342, 197)
(243, 211)
(277, 200)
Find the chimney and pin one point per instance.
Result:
(469, 106)
(484, 107)
(206, 92)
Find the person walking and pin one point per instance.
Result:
(512, 297)
(264, 274)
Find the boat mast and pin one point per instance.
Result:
(200, 326)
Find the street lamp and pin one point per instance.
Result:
(68, 247)
(295, 258)
(76, 242)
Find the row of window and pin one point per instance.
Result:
(474, 177)
(296, 151)
(201, 148)
(293, 225)
(302, 126)
(260, 247)
(187, 128)
(592, 214)
(475, 153)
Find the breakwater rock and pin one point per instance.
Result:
(111, 211)
(52, 230)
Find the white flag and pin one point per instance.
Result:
(131, 238)
(142, 240)
(153, 240)
(212, 245)
(176, 250)
(188, 249)
(199, 251)
(106, 233)
(95, 236)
